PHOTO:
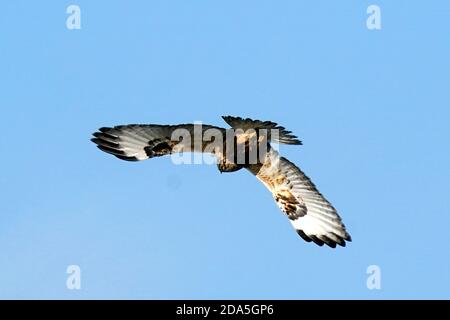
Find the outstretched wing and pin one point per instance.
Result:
(136, 142)
(312, 216)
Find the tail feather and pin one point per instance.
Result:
(284, 136)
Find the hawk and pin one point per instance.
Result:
(311, 215)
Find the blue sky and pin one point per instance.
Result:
(371, 106)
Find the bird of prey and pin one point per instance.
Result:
(311, 215)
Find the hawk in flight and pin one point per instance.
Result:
(312, 216)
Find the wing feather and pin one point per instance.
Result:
(312, 216)
(136, 142)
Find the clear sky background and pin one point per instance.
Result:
(371, 106)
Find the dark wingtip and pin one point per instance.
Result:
(116, 152)
(317, 240)
(106, 143)
(294, 142)
(132, 159)
(303, 235)
(324, 240)
(104, 129)
(331, 244)
(230, 118)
